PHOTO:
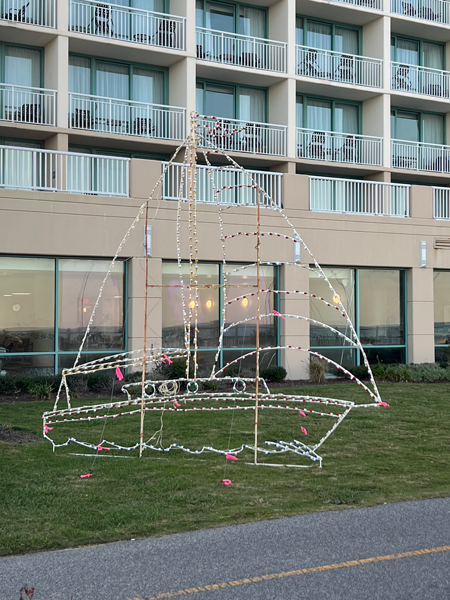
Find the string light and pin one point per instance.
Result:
(163, 397)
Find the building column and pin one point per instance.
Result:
(136, 303)
(293, 331)
(420, 315)
(56, 77)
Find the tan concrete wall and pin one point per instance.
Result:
(420, 315)
(56, 76)
(295, 331)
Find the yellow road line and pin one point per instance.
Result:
(350, 563)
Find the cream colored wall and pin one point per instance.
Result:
(82, 225)
(45, 223)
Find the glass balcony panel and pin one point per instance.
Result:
(241, 50)
(33, 12)
(436, 11)
(420, 156)
(224, 185)
(126, 117)
(127, 23)
(36, 169)
(339, 147)
(420, 80)
(338, 67)
(242, 136)
(352, 196)
(20, 104)
(441, 203)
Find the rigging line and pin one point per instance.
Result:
(104, 425)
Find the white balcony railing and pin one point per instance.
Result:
(327, 194)
(241, 50)
(420, 156)
(441, 203)
(339, 147)
(374, 4)
(33, 12)
(242, 136)
(437, 11)
(126, 117)
(49, 170)
(21, 104)
(232, 186)
(420, 80)
(338, 67)
(127, 24)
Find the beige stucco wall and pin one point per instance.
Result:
(49, 224)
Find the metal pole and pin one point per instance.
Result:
(144, 356)
(258, 287)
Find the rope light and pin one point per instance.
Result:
(188, 394)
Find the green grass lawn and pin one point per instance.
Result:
(376, 455)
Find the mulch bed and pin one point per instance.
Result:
(15, 436)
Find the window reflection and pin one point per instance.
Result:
(208, 306)
(343, 282)
(79, 285)
(442, 307)
(244, 334)
(27, 289)
(380, 314)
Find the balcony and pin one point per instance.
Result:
(436, 11)
(127, 24)
(232, 186)
(19, 104)
(373, 4)
(420, 156)
(241, 50)
(49, 170)
(327, 194)
(232, 135)
(338, 67)
(441, 203)
(339, 147)
(126, 117)
(33, 12)
(420, 80)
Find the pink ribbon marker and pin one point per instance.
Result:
(177, 404)
(277, 314)
(119, 374)
(88, 475)
(99, 448)
(47, 428)
(300, 412)
(231, 457)
(168, 359)
(304, 430)
(226, 481)
(383, 403)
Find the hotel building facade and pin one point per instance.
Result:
(339, 110)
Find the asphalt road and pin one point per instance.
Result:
(313, 557)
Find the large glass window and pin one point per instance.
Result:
(417, 52)
(115, 80)
(375, 302)
(442, 313)
(21, 67)
(231, 101)
(327, 36)
(328, 115)
(79, 285)
(240, 337)
(231, 18)
(417, 126)
(45, 306)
